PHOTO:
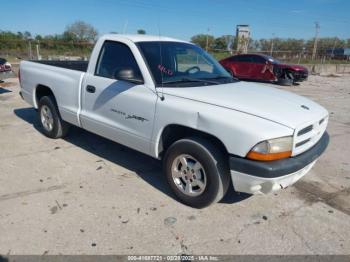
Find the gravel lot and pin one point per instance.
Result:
(87, 195)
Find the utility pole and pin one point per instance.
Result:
(37, 51)
(271, 51)
(335, 42)
(314, 51)
(30, 49)
(206, 48)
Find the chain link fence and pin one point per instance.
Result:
(17, 50)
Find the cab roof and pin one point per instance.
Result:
(140, 38)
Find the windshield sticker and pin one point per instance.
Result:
(165, 70)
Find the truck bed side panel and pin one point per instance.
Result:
(64, 83)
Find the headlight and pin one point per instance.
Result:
(272, 149)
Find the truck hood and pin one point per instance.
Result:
(260, 100)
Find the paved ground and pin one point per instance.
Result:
(86, 195)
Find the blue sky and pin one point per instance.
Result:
(182, 18)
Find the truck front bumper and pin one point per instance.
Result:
(256, 177)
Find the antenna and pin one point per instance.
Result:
(161, 63)
(125, 26)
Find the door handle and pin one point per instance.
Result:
(90, 89)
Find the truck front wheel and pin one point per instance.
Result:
(51, 122)
(196, 171)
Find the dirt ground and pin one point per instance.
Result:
(87, 195)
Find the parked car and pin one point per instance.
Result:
(172, 101)
(4, 65)
(263, 68)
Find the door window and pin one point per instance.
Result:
(245, 58)
(258, 59)
(113, 57)
(235, 59)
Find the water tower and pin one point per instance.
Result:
(242, 38)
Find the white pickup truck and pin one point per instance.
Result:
(169, 99)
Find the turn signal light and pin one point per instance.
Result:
(272, 149)
(268, 157)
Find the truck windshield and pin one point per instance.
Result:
(179, 64)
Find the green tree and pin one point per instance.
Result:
(220, 43)
(20, 35)
(82, 31)
(27, 35)
(69, 36)
(201, 40)
(38, 37)
(141, 31)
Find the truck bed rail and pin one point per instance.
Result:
(73, 65)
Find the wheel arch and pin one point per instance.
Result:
(41, 91)
(174, 132)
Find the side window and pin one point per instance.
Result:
(246, 58)
(235, 59)
(258, 59)
(115, 56)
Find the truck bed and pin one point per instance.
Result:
(73, 65)
(64, 78)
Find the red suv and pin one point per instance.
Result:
(263, 68)
(4, 65)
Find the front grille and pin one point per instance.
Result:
(305, 130)
(308, 135)
(302, 142)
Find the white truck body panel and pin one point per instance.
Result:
(65, 84)
(239, 114)
(256, 99)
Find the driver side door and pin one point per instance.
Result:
(119, 110)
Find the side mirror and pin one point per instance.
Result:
(128, 75)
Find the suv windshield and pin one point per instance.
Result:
(179, 64)
(273, 60)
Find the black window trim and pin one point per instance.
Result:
(147, 65)
(258, 57)
(100, 53)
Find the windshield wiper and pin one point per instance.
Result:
(225, 77)
(187, 79)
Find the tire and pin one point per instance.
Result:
(284, 82)
(286, 79)
(213, 174)
(51, 122)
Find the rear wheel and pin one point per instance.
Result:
(286, 79)
(197, 172)
(51, 122)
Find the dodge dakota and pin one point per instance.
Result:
(170, 100)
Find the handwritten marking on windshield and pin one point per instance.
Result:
(165, 70)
